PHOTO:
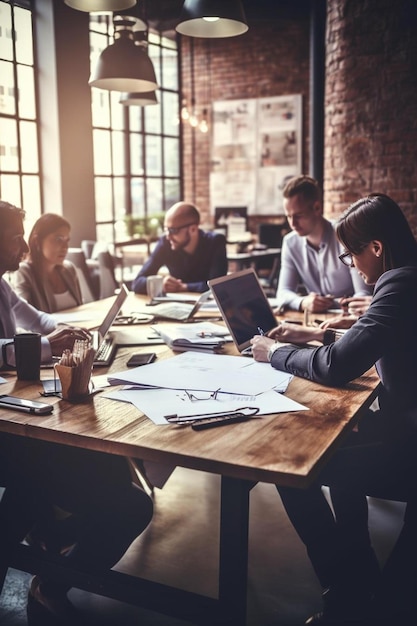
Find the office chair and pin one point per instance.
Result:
(88, 291)
(107, 280)
(87, 246)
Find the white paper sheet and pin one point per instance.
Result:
(158, 403)
(205, 372)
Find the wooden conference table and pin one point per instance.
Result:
(286, 449)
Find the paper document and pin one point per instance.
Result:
(198, 336)
(205, 372)
(177, 297)
(158, 403)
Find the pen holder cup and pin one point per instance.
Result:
(75, 380)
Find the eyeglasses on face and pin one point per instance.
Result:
(174, 231)
(346, 258)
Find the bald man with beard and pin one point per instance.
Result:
(191, 255)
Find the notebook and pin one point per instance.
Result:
(178, 311)
(244, 307)
(105, 345)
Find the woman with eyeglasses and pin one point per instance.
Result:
(380, 458)
(46, 279)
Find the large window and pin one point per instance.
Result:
(19, 143)
(136, 148)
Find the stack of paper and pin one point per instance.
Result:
(192, 383)
(203, 336)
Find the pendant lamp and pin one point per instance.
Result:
(212, 18)
(124, 66)
(139, 99)
(144, 98)
(100, 5)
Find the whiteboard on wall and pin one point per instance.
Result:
(256, 148)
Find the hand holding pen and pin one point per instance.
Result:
(260, 345)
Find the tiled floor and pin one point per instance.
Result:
(180, 548)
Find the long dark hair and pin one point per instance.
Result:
(44, 226)
(378, 217)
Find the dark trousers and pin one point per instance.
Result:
(338, 542)
(108, 511)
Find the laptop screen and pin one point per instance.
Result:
(243, 305)
(113, 311)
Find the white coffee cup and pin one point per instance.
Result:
(154, 286)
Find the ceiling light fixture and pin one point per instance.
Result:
(144, 98)
(212, 18)
(139, 99)
(124, 66)
(91, 6)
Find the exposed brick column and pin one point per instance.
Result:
(371, 103)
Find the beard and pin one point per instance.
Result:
(180, 245)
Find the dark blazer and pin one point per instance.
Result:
(386, 335)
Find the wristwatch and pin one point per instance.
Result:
(329, 336)
(272, 349)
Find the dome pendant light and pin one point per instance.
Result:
(138, 99)
(212, 18)
(124, 66)
(90, 6)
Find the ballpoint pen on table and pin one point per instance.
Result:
(231, 419)
(214, 419)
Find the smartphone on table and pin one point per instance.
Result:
(143, 358)
(27, 406)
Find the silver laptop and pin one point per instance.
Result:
(244, 307)
(105, 345)
(178, 311)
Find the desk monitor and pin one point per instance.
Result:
(223, 214)
(243, 305)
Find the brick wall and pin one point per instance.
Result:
(370, 97)
(371, 103)
(271, 59)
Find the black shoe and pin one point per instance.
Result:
(339, 608)
(51, 609)
(57, 538)
(323, 619)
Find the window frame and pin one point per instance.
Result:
(23, 194)
(121, 223)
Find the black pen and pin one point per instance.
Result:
(231, 419)
(260, 331)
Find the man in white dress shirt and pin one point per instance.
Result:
(310, 254)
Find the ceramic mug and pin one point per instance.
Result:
(27, 350)
(154, 286)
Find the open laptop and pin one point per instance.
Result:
(244, 307)
(105, 345)
(178, 311)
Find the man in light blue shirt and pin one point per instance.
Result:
(310, 254)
